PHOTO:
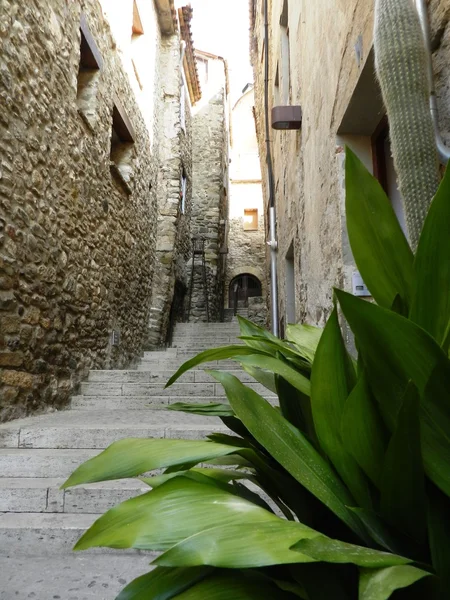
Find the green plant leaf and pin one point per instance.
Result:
(235, 586)
(403, 479)
(277, 348)
(380, 584)
(305, 338)
(260, 545)
(163, 584)
(265, 378)
(379, 246)
(296, 408)
(165, 516)
(224, 475)
(362, 430)
(215, 409)
(333, 378)
(431, 295)
(226, 352)
(395, 351)
(135, 456)
(290, 448)
(378, 530)
(278, 367)
(439, 536)
(324, 549)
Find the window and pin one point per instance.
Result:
(183, 192)
(122, 145)
(384, 170)
(203, 70)
(88, 74)
(251, 219)
(183, 107)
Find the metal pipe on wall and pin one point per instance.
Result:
(422, 9)
(272, 212)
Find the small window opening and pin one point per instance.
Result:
(122, 146)
(203, 70)
(183, 192)
(251, 219)
(88, 74)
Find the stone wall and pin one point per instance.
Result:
(246, 253)
(77, 238)
(174, 147)
(257, 311)
(330, 56)
(209, 202)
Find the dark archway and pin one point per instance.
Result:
(242, 288)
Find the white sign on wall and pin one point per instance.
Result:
(359, 287)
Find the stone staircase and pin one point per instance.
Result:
(39, 523)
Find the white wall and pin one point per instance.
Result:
(140, 54)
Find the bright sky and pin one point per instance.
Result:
(222, 27)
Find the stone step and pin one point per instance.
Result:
(16, 462)
(209, 337)
(158, 389)
(175, 364)
(76, 576)
(197, 347)
(168, 352)
(162, 376)
(53, 534)
(108, 403)
(42, 495)
(207, 327)
(98, 429)
(134, 402)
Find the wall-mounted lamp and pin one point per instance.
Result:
(286, 117)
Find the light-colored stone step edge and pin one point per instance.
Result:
(47, 463)
(151, 365)
(42, 495)
(141, 402)
(48, 534)
(138, 402)
(77, 576)
(158, 376)
(99, 429)
(158, 389)
(42, 463)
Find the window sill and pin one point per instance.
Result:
(118, 175)
(87, 120)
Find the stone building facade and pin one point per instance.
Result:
(246, 236)
(92, 158)
(179, 90)
(210, 159)
(335, 85)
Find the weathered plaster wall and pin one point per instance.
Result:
(76, 247)
(210, 200)
(330, 42)
(246, 249)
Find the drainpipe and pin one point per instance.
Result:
(422, 9)
(272, 213)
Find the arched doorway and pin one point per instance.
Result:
(242, 288)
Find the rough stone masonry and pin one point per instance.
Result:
(77, 239)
